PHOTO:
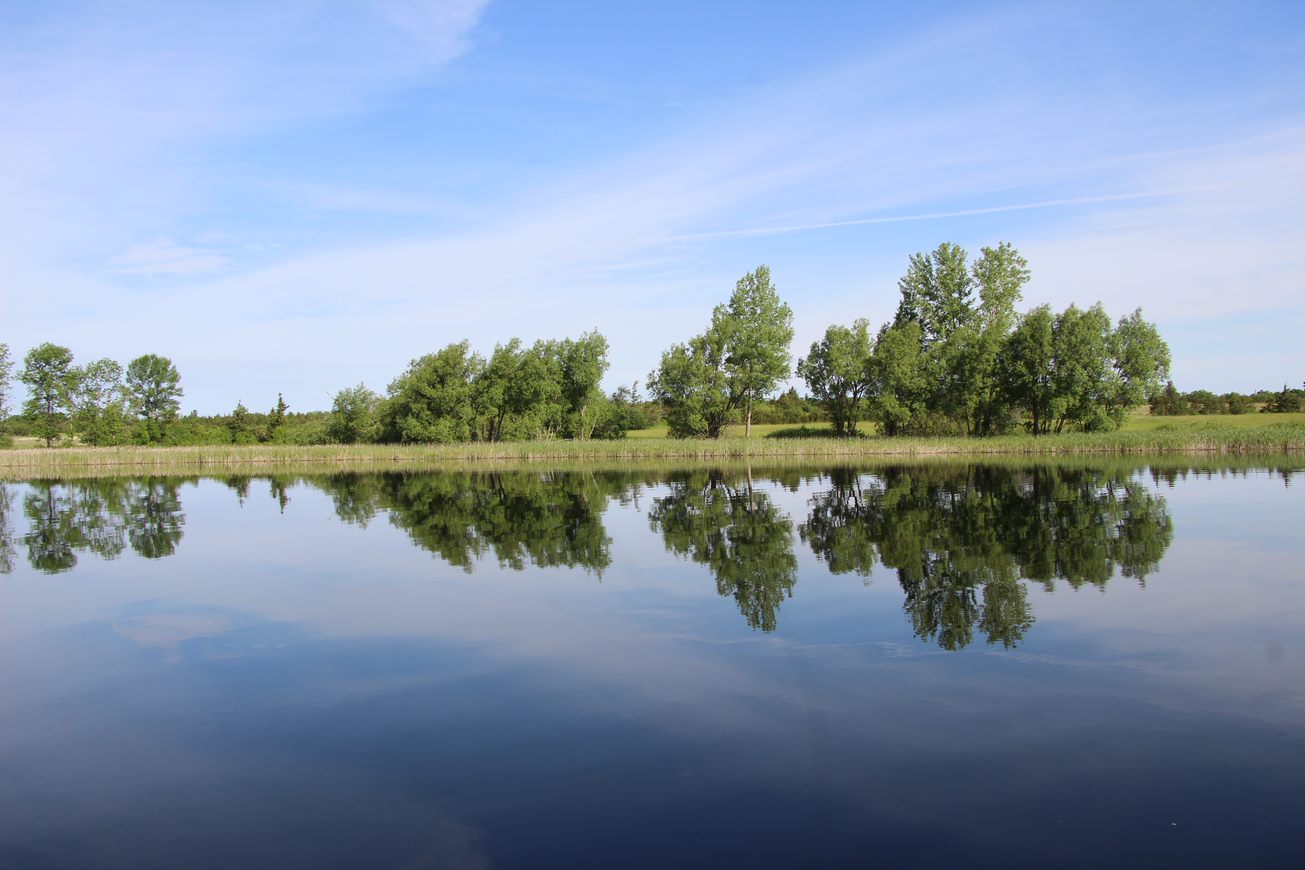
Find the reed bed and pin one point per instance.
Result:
(24, 462)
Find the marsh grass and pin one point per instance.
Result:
(28, 462)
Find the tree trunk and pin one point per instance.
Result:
(747, 429)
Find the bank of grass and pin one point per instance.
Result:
(28, 462)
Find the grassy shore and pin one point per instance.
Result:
(26, 462)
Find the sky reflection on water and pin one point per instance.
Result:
(1005, 665)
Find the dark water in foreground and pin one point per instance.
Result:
(920, 666)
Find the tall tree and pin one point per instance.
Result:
(837, 373)
(758, 328)
(584, 361)
(154, 390)
(897, 377)
(1082, 368)
(50, 378)
(1026, 368)
(99, 403)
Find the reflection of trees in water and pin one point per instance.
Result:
(102, 517)
(7, 547)
(960, 538)
(523, 518)
(737, 532)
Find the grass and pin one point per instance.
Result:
(1270, 439)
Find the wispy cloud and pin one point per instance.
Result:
(165, 257)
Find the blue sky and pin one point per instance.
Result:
(296, 196)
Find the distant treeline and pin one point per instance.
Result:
(1169, 402)
(956, 359)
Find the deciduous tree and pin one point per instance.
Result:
(50, 379)
(837, 373)
(154, 390)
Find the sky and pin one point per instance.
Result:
(298, 196)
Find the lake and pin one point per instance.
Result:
(1089, 663)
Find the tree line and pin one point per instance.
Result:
(101, 402)
(957, 358)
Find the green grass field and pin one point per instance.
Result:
(1140, 421)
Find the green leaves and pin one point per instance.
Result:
(742, 357)
(154, 387)
(837, 371)
(50, 379)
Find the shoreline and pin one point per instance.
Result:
(1286, 438)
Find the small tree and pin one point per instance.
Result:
(837, 373)
(275, 420)
(50, 378)
(353, 415)
(154, 391)
(240, 427)
(692, 384)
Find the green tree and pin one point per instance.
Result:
(275, 420)
(583, 364)
(837, 373)
(1027, 362)
(897, 377)
(6, 371)
(154, 391)
(99, 403)
(1169, 402)
(239, 425)
(1082, 368)
(51, 380)
(1141, 365)
(692, 384)
(353, 416)
(758, 329)
(433, 401)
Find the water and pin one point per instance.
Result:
(984, 665)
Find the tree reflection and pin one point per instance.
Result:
(102, 517)
(522, 518)
(7, 546)
(960, 538)
(737, 532)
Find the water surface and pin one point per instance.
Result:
(995, 665)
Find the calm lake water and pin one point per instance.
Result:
(922, 665)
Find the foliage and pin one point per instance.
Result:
(240, 427)
(6, 371)
(154, 390)
(353, 416)
(693, 386)
(51, 381)
(1286, 402)
(896, 377)
(757, 329)
(99, 403)
(741, 358)
(837, 373)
